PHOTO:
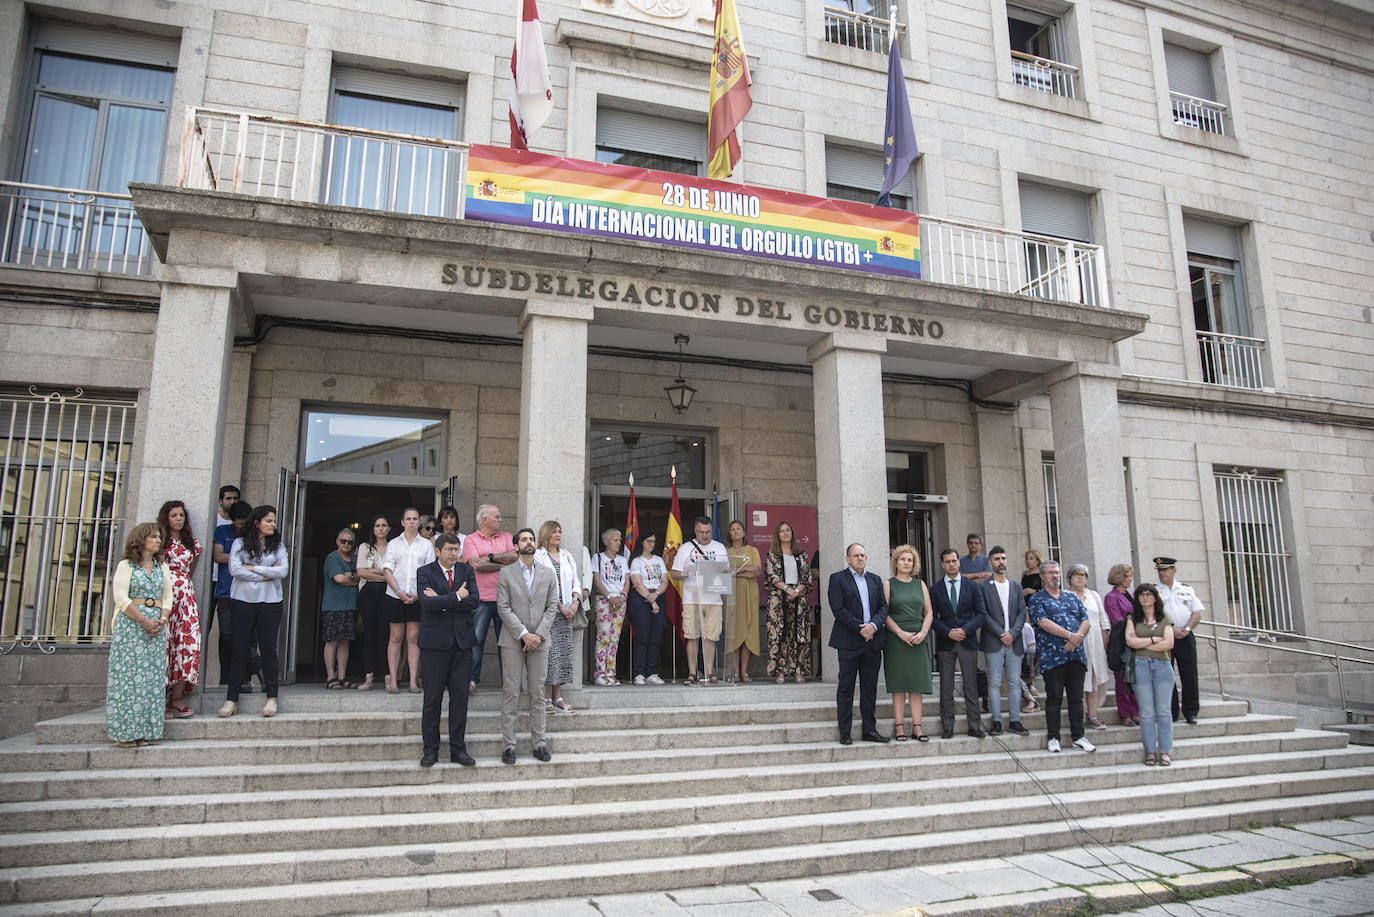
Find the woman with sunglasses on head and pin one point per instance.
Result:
(1150, 633)
(180, 551)
(137, 682)
(258, 564)
(372, 605)
(339, 610)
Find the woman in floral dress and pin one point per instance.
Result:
(181, 552)
(788, 574)
(136, 686)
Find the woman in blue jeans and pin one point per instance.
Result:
(1152, 637)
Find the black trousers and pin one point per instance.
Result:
(449, 669)
(222, 606)
(967, 657)
(376, 628)
(260, 621)
(1185, 660)
(1066, 677)
(864, 665)
(648, 631)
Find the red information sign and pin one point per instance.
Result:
(760, 521)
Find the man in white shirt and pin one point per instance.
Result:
(1002, 641)
(701, 609)
(1185, 609)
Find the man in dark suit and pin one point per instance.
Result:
(1003, 645)
(448, 597)
(860, 610)
(958, 616)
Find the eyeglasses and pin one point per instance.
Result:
(426, 528)
(345, 541)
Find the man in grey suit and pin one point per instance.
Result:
(1003, 619)
(526, 600)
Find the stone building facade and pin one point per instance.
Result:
(1209, 398)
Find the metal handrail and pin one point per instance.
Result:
(1335, 658)
(1048, 63)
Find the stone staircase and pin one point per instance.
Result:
(324, 809)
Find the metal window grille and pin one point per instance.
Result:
(1051, 507)
(65, 463)
(1253, 547)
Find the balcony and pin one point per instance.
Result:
(375, 170)
(1231, 360)
(72, 229)
(857, 30)
(1203, 114)
(1044, 75)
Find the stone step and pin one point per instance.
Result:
(20, 755)
(66, 831)
(442, 874)
(89, 725)
(586, 768)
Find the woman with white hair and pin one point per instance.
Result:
(1094, 645)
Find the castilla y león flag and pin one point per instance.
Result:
(531, 91)
(730, 97)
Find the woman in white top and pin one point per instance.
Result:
(612, 580)
(564, 567)
(373, 605)
(648, 582)
(407, 552)
(258, 564)
(448, 524)
(1099, 675)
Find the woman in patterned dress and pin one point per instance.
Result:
(612, 580)
(560, 673)
(182, 552)
(788, 573)
(136, 688)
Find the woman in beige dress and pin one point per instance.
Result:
(1099, 675)
(744, 639)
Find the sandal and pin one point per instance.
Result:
(746, 679)
(1149, 759)
(333, 684)
(1095, 723)
(899, 733)
(918, 733)
(181, 712)
(548, 706)
(125, 744)
(801, 679)
(346, 684)
(782, 678)
(563, 705)
(1164, 759)
(691, 681)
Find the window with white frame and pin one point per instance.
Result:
(1254, 549)
(853, 174)
(1054, 269)
(650, 141)
(1192, 89)
(1229, 351)
(97, 112)
(402, 172)
(858, 24)
(1039, 54)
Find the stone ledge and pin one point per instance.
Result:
(1193, 884)
(1123, 896)
(1306, 868)
(1047, 903)
(1174, 393)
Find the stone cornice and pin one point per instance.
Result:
(1171, 393)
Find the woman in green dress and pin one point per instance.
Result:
(136, 690)
(907, 661)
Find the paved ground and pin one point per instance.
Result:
(1302, 871)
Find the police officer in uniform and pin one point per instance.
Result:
(1185, 609)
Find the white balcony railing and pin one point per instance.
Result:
(74, 229)
(318, 163)
(987, 258)
(1203, 114)
(1231, 359)
(857, 30)
(292, 160)
(1044, 74)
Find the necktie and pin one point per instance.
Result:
(954, 594)
(449, 571)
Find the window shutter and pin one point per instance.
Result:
(1190, 72)
(654, 134)
(399, 87)
(1215, 240)
(1057, 212)
(855, 168)
(106, 43)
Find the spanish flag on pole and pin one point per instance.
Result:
(672, 541)
(730, 98)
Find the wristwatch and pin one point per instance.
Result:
(491, 558)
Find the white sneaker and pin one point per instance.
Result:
(1054, 746)
(1084, 745)
(639, 679)
(603, 682)
(654, 680)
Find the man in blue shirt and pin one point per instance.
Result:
(975, 564)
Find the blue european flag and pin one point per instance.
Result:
(899, 136)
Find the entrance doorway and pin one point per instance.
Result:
(329, 507)
(914, 523)
(653, 520)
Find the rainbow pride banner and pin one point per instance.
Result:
(598, 199)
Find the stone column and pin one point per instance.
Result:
(999, 482)
(552, 472)
(1093, 523)
(851, 467)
